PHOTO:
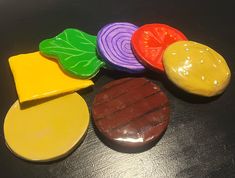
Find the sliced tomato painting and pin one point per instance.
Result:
(150, 41)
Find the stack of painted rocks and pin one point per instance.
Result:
(50, 119)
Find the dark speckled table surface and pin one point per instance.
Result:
(200, 139)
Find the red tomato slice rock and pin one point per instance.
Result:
(150, 41)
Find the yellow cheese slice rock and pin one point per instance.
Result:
(46, 131)
(196, 68)
(38, 77)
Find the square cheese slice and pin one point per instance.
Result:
(38, 77)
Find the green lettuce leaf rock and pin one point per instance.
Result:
(76, 52)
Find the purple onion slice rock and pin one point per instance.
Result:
(114, 46)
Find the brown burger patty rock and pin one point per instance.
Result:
(131, 111)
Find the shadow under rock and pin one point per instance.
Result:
(117, 74)
(121, 148)
(85, 91)
(31, 103)
(177, 92)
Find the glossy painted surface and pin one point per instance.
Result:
(75, 51)
(114, 45)
(200, 139)
(150, 41)
(46, 131)
(131, 112)
(37, 77)
(196, 68)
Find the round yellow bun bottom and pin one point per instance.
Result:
(196, 68)
(47, 131)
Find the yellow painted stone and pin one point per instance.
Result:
(196, 68)
(48, 130)
(38, 77)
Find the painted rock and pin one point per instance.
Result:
(196, 68)
(76, 52)
(150, 41)
(114, 47)
(131, 112)
(37, 77)
(46, 131)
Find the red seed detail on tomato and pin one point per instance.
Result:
(150, 41)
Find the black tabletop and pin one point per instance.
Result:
(200, 139)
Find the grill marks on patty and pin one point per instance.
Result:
(131, 108)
